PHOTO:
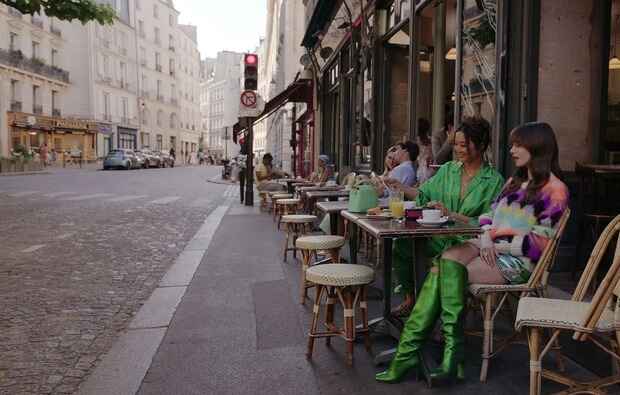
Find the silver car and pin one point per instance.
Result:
(120, 159)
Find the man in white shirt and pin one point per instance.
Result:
(405, 155)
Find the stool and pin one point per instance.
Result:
(285, 207)
(311, 244)
(296, 226)
(347, 282)
(264, 206)
(274, 197)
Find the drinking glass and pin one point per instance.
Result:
(396, 205)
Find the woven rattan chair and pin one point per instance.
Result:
(493, 298)
(285, 206)
(597, 321)
(275, 196)
(346, 283)
(309, 246)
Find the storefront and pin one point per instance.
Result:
(127, 138)
(62, 136)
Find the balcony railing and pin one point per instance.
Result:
(37, 109)
(55, 31)
(34, 65)
(13, 12)
(158, 67)
(56, 112)
(16, 105)
(38, 22)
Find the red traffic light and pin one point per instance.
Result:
(251, 59)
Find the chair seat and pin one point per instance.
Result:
(559, 314)
(298, 219)
(319, 242)
(340, 274)
(288, 201)
(281, 196)
(481, 289)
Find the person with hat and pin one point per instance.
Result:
(321, 174)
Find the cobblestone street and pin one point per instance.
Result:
(81, 251)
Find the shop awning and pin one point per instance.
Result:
(324, 11)
(299, 91)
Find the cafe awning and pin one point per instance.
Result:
(324, 11)
(299, 91)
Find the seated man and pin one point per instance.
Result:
(403, 156)
(265, 173)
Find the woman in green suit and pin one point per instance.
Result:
(463, 190)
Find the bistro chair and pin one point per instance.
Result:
(264, 204)
(493, 298)
(348, 283)
(311, 245)
(597, 321)
(296, 225)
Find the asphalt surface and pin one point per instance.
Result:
(80, 251)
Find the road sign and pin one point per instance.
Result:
(251, 104)
(248, 99)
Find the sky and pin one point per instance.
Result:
(234, 25)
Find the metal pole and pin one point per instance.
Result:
(226, 142)
(249, 175)
(294, 140)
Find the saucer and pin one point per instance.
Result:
(440, 222)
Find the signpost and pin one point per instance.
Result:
(251, 105)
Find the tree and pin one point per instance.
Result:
(68, 10)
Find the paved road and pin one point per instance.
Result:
(80, 252)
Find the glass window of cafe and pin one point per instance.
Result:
(610, 132)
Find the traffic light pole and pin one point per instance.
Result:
(249, 164)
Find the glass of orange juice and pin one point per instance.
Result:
(396, 205)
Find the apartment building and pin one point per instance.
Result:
(220, 103)
(34, 83)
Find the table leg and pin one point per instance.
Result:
(333, 223)
(353, 242)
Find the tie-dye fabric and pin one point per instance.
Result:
(523, 230)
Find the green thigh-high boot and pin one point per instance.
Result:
(401, 262)
(452, 286)
(415, 332)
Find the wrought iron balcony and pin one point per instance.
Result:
(34, 65)
(16, 105)
(37, 109)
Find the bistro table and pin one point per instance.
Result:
(333, 209)
(332, 196)
(290, 183)
(387, 229)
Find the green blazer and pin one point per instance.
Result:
(445, 187)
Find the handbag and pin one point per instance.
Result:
(362, 197)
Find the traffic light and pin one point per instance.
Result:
(250, 72)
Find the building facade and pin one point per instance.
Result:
(220, 103)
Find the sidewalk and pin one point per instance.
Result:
(239, 329)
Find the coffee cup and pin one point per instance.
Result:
(431, 215)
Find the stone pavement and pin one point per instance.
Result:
(240, 330)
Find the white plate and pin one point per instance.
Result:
(440, 222)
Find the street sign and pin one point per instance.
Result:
(251, 104)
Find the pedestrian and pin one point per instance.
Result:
(173, 153)
(43, 154)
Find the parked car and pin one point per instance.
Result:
(152, 159)
(121, 159)
(166, 159)
(141, 158)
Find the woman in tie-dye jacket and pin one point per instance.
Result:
(522, 221)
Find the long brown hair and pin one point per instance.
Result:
(539, 140)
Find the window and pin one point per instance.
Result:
(15, 90)
(106, 67)
(138, 6)
(157, 37)
(36, 106)
(142, 56)
(54, 59)
(13, 42)
(141, 28)
(35, 49)
(155, 11)
(145, 83)
(123, 67)
(171, 42)
(160, 142)
(160, 118)
(54, 102)
(171, 20)
(157, 61)
(159, 90)
(171, 66)
(125, 109)
(106, 107)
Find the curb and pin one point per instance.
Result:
(219, 181)
(25, 173)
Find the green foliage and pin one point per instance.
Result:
(68, 10)
(21, 151)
